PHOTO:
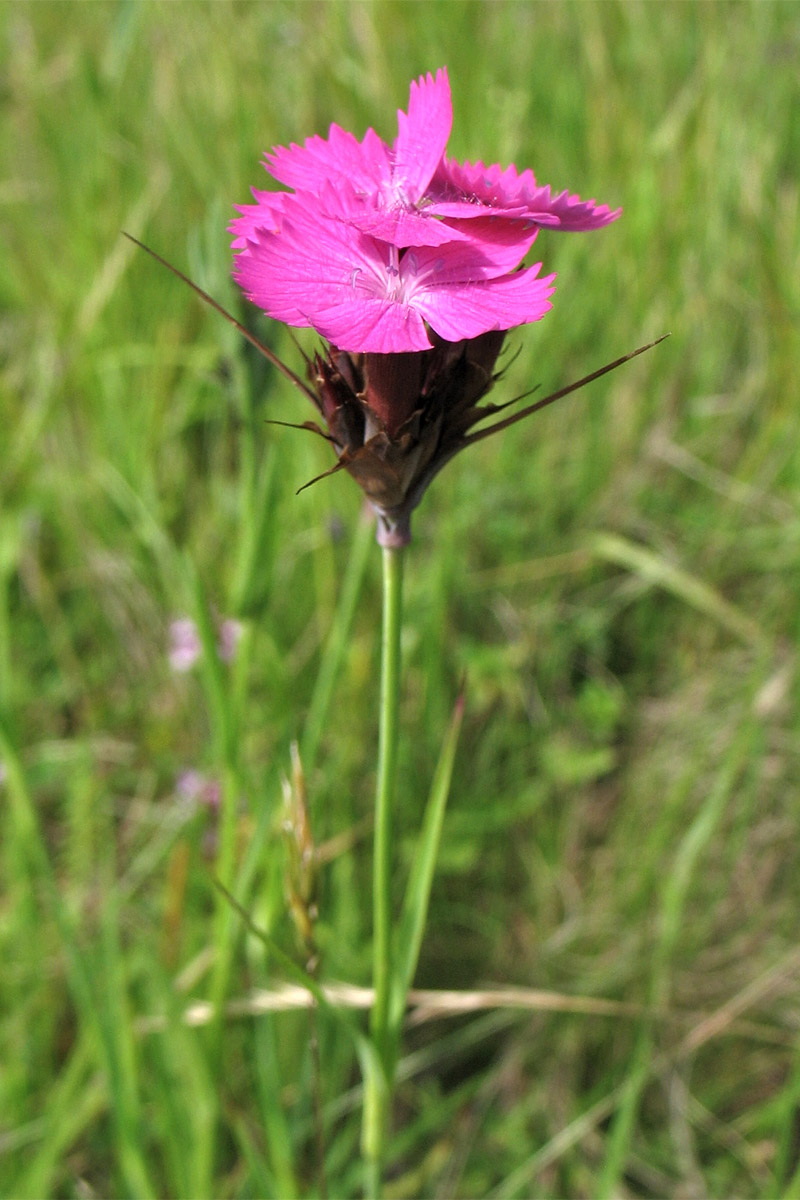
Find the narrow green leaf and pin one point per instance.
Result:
(77, 1098)
(373, 1071)
(22, 806)
(337, 643)
(653, 568)
(276, 1130)
(363, 1046)
(212, 671)
(620, 1138)
(418, 889)
(256, 546)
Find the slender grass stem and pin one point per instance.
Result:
(378, 1084)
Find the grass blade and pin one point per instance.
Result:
(338, 642)
(418, 889)
(653, 568)
(300, 976)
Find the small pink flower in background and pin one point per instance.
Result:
(197, 790)
(198, 793)
(184, 644)
(2, 773)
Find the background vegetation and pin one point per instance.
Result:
(617, 577)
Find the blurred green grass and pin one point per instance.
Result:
(617, 578)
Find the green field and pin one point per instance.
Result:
(617, 579)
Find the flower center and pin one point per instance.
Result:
(394, 279)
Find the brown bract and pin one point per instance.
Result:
(394, 420)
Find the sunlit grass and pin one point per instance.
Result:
(615, 579)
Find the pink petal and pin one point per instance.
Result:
(319, 272)
(579, 216)
(264, 214)
(470, 210)
(499, 245)
(422, 135)
(397, 226)
(312, 263)
(500, 249)
(373, 327)
(307, 168)
(403, 227)
(510, 193)
(465, 311)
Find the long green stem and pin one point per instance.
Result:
(378, 1084)
(384, 798)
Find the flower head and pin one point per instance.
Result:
(411, 266)
(185, 646)
(197, 790)
(365, 294)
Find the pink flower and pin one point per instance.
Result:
(410, 194)
(197, 790)
(389, 182)
(184, 644)
(365, 295)
(411, 266)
